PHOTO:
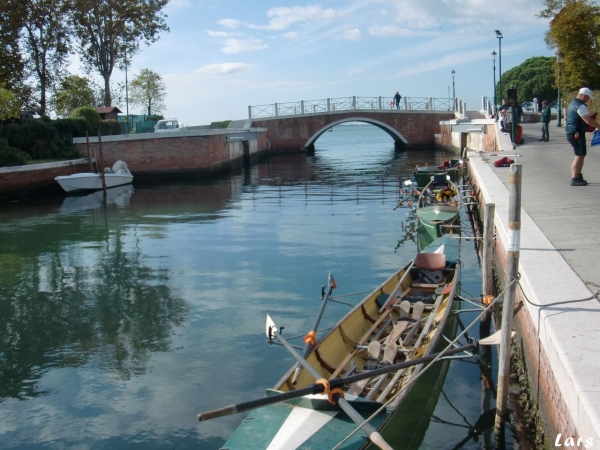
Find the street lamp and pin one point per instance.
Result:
(453, 92)
(495, 98)
(559, 58)
(126, 94)
(499, 36)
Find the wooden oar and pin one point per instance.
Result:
(318, 388)
(359, 420)
(308, 340)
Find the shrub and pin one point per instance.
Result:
(10, 156)
(90, 115)
(109, 127)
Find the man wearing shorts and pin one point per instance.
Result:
(577, 121)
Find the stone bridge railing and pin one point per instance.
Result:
(354, 103)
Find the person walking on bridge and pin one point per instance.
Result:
(576, 125)
(397, 98)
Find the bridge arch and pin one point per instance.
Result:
(399, 140)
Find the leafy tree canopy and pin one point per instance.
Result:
(534, 78)
(109, 32)
(11, 64)
(46, 36)
(148, 91)
(10, 106)
(575, 33)
(74, 91)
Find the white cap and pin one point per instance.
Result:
(587, 91)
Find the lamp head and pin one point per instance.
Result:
(498, 34)
(453, 73)
(494, 55)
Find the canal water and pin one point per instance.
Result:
(119, 324)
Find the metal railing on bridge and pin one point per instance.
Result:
(354, 103)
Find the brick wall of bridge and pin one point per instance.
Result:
(292, 133)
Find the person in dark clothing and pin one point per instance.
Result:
(545, 119)
(576, 125)
(397, 98)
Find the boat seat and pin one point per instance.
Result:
(430, 261)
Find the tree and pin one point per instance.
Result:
(534, 78)
(10, 105)
(148, 91)
(109, 30)
(74, 91)
(11, 63)
(46, 42)
(575, 33)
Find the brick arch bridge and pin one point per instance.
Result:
(407, 128)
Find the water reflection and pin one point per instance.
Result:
(121, 323)
(77, 289)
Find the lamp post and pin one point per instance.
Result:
(495, 98)
(453, 92)
(126, 94)
(559, 57)
(499, 36)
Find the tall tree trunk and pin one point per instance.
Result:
(107, 97)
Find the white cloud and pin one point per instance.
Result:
(351, 35)
(283, 17)
(223, 69)
(222, 34)
(230, 23)
(292, 35)
(239, 45)
(391, 31)
(353, 72)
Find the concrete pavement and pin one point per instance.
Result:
(559, 251)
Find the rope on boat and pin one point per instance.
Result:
(437, 358)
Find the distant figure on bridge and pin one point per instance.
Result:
(397, 98)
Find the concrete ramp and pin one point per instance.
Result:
(240, 124)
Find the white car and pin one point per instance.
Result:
(166, 125)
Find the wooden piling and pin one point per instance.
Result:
(89, 152)
(100, 169)
(486, 264)
(512, 268)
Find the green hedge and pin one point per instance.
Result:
(10, 156)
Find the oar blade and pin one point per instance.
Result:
(494, 339)
(269, 327)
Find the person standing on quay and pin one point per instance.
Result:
(577, 120)
(545, 119)
(397, 98)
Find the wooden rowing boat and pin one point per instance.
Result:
(423, 174)
(400, 321)
(438, 206)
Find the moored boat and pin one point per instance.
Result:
(438, 206)
(119, 175)
(399, 322)
(423, 174)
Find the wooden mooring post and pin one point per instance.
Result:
(512, 268)
(487, 267)
(100, 169)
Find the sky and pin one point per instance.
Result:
(220, 56)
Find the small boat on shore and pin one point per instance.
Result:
(368, 362)
(119, 175)
(438, 206)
